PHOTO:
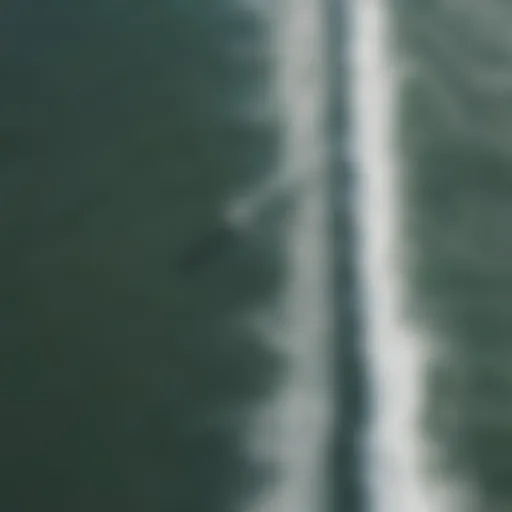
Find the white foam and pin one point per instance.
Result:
(396, 353)
(292, 430)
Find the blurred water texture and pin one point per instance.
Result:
(455, 116)
(124, 129)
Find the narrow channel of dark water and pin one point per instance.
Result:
(348, 480)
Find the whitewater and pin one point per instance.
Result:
(292, 432)
(397, 351)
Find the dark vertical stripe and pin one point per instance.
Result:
(348, 493)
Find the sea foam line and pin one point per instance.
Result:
(396, 354)
(292, 430)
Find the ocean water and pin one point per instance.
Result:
(293, 428)
(454, 116)
(126, 130)
(397, 451)
(430, 123)
(254, 256)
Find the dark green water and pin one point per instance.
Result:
(124, 129)
(124, 383)
(458, 183)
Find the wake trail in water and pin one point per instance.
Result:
(292, 430)
(396, 355)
